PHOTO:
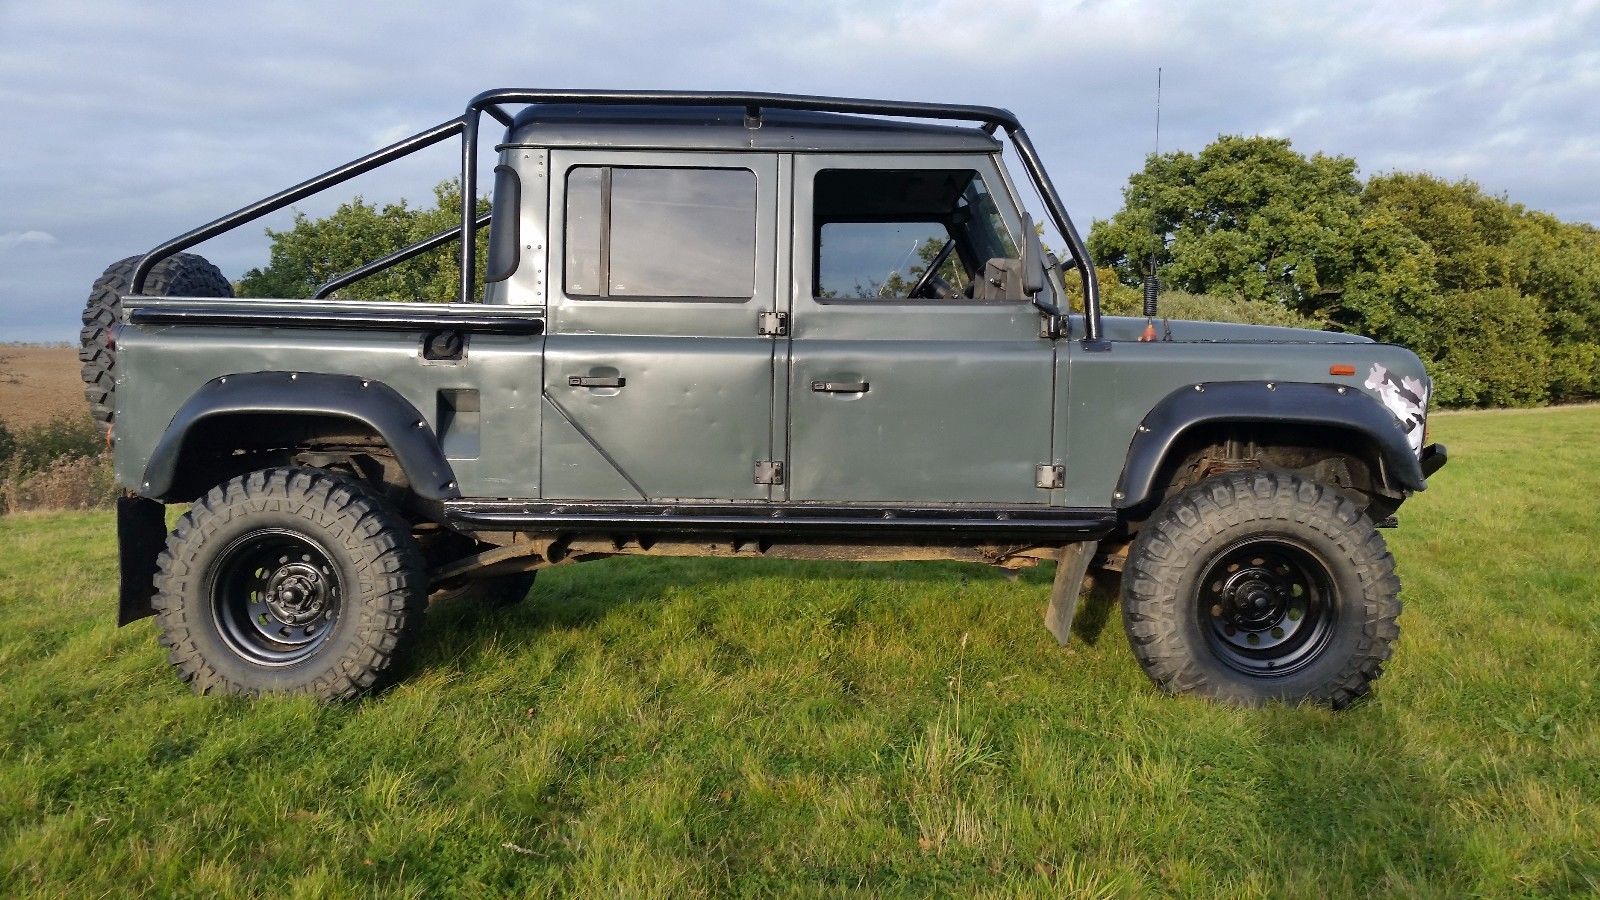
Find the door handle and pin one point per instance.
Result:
(840, 387)
(596, 381)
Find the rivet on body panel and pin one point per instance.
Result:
(1200, 388)
(294, 376)
(421, 424)
(1343, 389)
(1271, 386)
(1117, 495)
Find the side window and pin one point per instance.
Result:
(654, 233)
(877, 260)
(906, 234)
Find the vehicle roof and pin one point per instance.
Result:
(724, 128)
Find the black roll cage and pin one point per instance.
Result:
(990, 119)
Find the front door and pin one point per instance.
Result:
(657, 385)
(912, 378)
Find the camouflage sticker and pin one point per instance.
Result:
(1405, 398)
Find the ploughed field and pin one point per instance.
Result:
(686, 728)
(39, 382)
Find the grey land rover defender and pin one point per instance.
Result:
(743, 325)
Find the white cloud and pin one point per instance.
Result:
(213, 105)
(13, 239)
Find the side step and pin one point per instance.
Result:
(795, 520)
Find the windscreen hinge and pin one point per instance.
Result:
(1050, 477)
(772, 323)
(769, 471)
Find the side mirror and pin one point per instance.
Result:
(1032, 258)
(1033, 277)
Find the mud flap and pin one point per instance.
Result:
(141, 533)
(1071, 566)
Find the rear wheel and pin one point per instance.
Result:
(179, 275)
(1258, 587)
(289, 581)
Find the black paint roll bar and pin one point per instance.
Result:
(300, 191)
(989, 118)
(394, 259)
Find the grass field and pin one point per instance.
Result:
(687, 728)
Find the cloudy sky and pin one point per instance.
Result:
(125, 124)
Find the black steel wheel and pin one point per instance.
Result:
(1268, 606)
(1255, 587)
(275, 596)
(292, 581)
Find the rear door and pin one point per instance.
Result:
(905, 388)
(657, 385)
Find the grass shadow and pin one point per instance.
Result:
(1096, 605)
(582, 597)
(1333, 780)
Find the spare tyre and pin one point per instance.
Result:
(179, 275)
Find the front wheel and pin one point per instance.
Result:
(1254, 587)
(289, 581)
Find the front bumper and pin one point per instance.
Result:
(1434, 456)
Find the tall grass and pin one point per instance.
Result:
(59, 464)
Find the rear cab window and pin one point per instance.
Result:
(646, 233)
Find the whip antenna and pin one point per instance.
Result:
(1152, 283)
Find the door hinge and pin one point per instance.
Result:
(769, 471)
(773, 323)
(1050, 477)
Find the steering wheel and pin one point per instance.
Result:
(931, 274)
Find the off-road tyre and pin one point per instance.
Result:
(179, 275)
(1179, 599)
(374, 587)
(495, 592)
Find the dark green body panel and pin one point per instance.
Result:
(1108, 393)
(160, 368)
(965, 400)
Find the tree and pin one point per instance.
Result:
(1246, 216)
(1503, 302)
(315, 250)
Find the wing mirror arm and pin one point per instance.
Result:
(1033, 280)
